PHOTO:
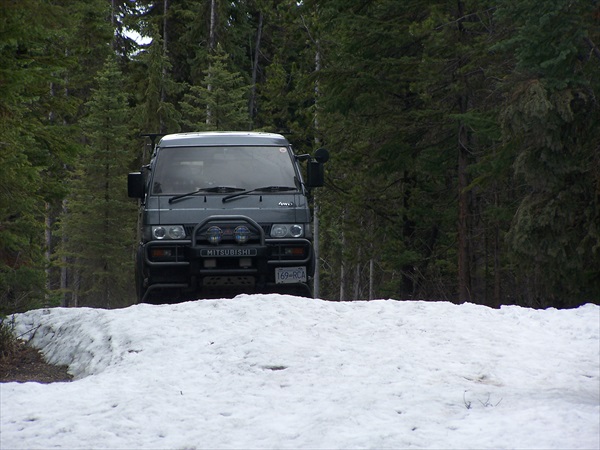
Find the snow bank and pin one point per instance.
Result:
(274, 371)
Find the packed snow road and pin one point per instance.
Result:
(275, 371)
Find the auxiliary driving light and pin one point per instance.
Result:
(241, 234)
(214, 235)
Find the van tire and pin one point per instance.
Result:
(140, 289)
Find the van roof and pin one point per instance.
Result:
(229, 138)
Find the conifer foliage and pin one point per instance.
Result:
(98, 226)
(31, 146)
(552, 112)
(220, 102)
(464, 138)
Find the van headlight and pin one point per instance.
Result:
(287, 230)
(162, 232)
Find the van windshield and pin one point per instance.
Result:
(184, 169)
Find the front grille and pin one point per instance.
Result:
(228, 281)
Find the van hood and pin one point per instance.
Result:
(262, 207)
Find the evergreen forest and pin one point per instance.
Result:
(464, 138)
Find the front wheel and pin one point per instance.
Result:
(140, 288)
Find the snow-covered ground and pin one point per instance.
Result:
(274, 371)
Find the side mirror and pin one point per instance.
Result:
(315, 174)
(322, 155)
(135, 185)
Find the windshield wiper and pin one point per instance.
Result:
(218, 189)
(260, 189)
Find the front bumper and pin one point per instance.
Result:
(196, 265)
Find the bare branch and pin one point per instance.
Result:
(594, 49)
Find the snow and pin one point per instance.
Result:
(276, 371)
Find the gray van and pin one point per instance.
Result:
(224, 213)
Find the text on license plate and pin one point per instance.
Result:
(290, 275)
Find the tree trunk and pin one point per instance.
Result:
(464, 250)
(497, 268)
(212, 33)
(212, 43)
(163, 93)
(252, 106)
(371, 274)
(317, 277)
(464, 269)
(48, 246)
(64, 274)
(342, 269)
(356, 295)
(76, 283)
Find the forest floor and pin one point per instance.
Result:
(26, 363)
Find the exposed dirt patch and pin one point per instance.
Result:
(26, 363)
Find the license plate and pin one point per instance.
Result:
(284, 275)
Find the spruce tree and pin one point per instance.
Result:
(550, 117)
(34, 143)
(220, 102)
(99, 224)
(156, 114)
